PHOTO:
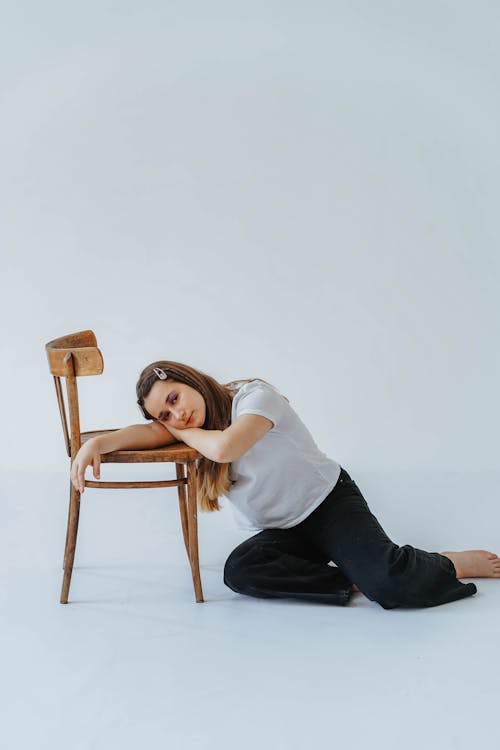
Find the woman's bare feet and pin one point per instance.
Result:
(475, 563)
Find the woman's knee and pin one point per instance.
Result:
(233, 572)
(243, 561)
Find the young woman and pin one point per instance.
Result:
(305, 508)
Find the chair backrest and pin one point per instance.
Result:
(70, 357)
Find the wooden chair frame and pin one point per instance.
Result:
(76, 355)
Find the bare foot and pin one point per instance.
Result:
(475, 563)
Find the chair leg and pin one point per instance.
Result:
(181, 489)
(67, 531)
(67, 527)
(69, 555)
(193, 530)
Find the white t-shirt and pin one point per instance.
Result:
(284, 476)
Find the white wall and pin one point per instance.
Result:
(305, 192)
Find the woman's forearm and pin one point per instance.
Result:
(207, 442)
(134, 437)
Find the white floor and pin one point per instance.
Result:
(133, 662)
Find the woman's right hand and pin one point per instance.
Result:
(88, 455)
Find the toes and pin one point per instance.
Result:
(495, 567)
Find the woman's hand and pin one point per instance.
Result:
(88, 455)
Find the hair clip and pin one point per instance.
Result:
(160, 373)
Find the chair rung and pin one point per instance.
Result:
(134, 485)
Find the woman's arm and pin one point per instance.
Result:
(134, 437)
(224, 446)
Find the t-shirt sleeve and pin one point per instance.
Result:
(263, 400)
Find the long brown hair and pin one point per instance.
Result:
(213, 478)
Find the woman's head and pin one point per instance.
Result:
(186, 394)
(175, 404)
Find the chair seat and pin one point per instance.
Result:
(172, 453)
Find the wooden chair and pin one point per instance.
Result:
(76, 355)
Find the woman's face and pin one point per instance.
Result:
(176, 404)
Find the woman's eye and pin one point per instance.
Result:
(173, 399)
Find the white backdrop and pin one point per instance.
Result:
(304, 192)
(301, 191)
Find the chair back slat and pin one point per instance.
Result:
(74, 410)
(62, 411)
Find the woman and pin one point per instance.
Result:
(305, 508)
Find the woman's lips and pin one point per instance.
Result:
(190, 418)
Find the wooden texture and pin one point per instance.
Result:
(87, 361)
(74, 409)
(86, 355)
(80, 340)
(69, 552)
(181, 490)
(193, 530)
(132, 485)
(62, 411)
(172, 453)
(67, 527)
(77, 354)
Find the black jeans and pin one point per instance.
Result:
(293, 563)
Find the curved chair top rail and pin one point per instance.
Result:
(80, 339)
(87, 358)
